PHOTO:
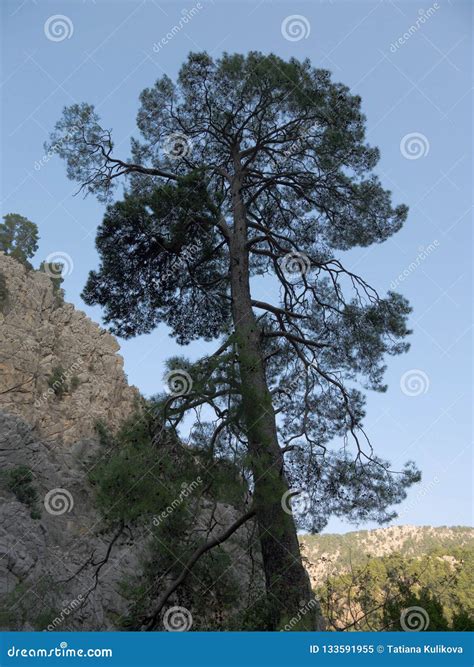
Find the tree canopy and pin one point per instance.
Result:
(18, 237)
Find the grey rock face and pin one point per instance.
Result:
(61, 570)
(40, 334)
(49, 565)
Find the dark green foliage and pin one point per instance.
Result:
(18, 237)
(57, 381)
(61, 382)
(74, 383)
(103, 433)
(144, 469)
(3, 293)
(29, 604)
(211, 592)
(145, 476)
(19, 481)
(358, 491)
(174, 252)
(258, 618)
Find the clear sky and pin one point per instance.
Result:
(409, 61)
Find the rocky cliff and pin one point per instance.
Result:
(58, 370)
(62, 565)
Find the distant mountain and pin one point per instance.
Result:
(332, 554)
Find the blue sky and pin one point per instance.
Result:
(410, 63)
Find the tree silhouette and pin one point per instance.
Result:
(248, 166)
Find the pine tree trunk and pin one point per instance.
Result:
(287, 583)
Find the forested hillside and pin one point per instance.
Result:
(334, 553)
(398, 578)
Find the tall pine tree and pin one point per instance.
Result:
(248, 166)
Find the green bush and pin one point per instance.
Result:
(141, 479)
(54, 271)
(75, 382)
(19, 480)
(138, 475)
(3, 293)
(59, 382)
(32, 604)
